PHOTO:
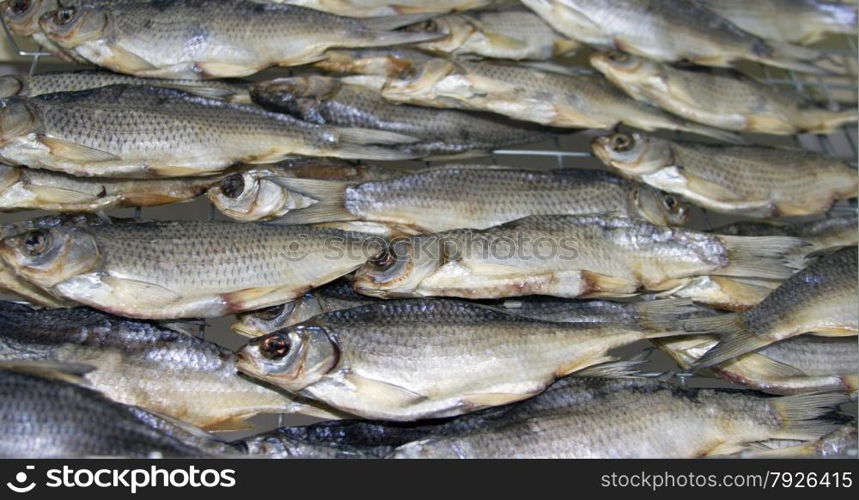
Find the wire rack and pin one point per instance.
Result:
(561, 152)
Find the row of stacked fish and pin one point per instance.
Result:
(453, 310)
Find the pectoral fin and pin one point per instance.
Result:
(76, 152)
(383, 393)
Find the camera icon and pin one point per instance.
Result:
(20, 479)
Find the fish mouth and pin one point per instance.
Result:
(245, 330)
(600, 147)
(247, 363)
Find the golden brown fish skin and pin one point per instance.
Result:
(72, 81)
(822, 299)
(736, 102)
(515, 34)
(525, 93)
(133, 131)
(202, 39)
(205, 269)
(667, 30)
(722, 292)
(142, 364)
(568, 256)
(416, 359)
(582, 417)
(739, 180)
(379, 62)
(23, 188)
(795, 21)
(476, 196)
(840, 230)
(798, 365)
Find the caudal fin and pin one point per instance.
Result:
(822, 121)
(380, 36)
(768, 257)
(798, 415)
(666, 314)
(802, 59)
(736, 339)
(367, 144)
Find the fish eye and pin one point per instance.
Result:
(65, 16)
(430, 26)
(272, 312)
(622, 142)
(671, 203)
(20, 6)
(619, 57)
(384, 259)
(233, 186)
(36, 242)
(275, 347)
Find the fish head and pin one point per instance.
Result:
(47, 257)
(69, 27)
(621, 66)
(658, 207)
(293, 358)
(400, 267)
(633, 154)
(16, 119)
(249, 196)
(300, 96)
(22, 16)
(271, 319)
(11, 85)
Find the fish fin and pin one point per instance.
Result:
(736, 339)
(391, 394)
(769, 124)
(788, 209)
(387, 38)
(131, 62)
(771, 257)
(249, 298)
(581, 364)
(383, 23)
(797, 414)
(331, 196)
(373, 136)
(212, 92)
(72, 373)
(725, 448)
(141, 294)
(822, 121)
(219, 69)
(484, 400)
(596, 284)
(187, 327)
(318, 189)
(710, 189)
(663, 314)
(235, 424)
(713, 133)
(318, 213)
(759, 363)
(505, 42)
(615, 368)
(52, 194)
(76, 152)
(361, 152)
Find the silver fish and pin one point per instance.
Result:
(752, 181)
(802, 364)
(569, 256)
(526, 93)
(796, 21)
(668, 30)
(331, 101)
(476, 196)
(199, 39)
(71, 81)
(822, 298)
(204, 269)
(593, 418)
(731, 102)
(143, 364)
(165, 132)
(43, 417)
(432, 358)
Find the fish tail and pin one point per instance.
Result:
(664, 314)
(373, 136)
(798, 414)
(802, 59)
(617, 369)
(822, 121)
(380, 36)
(331, 196)
(736, 338)
(721, 135)
(768, 257)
